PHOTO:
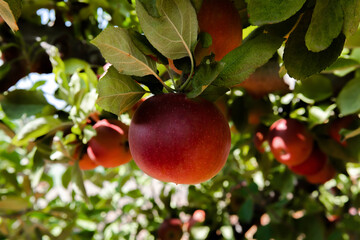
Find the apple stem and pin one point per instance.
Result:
(183, 86)
(171, 77)
(169, 89)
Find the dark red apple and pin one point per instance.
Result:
(313, 164)
(109, 148)
(176, 139)
(290, 141)
(337, 125)
(170, 229)
(326, 173)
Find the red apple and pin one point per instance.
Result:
(85, 163)
(313, 164)
(325, 174)
(176, 139)
(170, 229)
(290, 142)
(337, 125)
(109, 148)
(221, 20)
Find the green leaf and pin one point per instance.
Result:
(38, 168)
(151, 8)
(334, 149)
(319, 114)
(117, 92)
(174, 34)
(312, 226)
(19, 102)
(87, 104)
(78, 182)
(302, 63)
(212, 93)
(244, 60)
(88, 132)
(246, 211)
(145, 46)
(13, 204)
(10, 11)
(342, 66)
(353, 41)
(66, 177)
(348, 100)
(34, 129)
(205, 39)
(351, 10)
(205, 75)
(269, 12)
(326, 24)
(117, 47)
(316, 87)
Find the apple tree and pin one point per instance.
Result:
(179, 119)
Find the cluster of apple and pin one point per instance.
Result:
(109, 148)
(167, 138)
(293, 145)
(173, 228)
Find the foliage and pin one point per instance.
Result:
(44, 195)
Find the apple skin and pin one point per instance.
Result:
(290, 142)
(85, 163)
(265, 80)
(313, 164)
(170, 229)
(222, 21)
(109, 148)
(337, 125)
(325, 174)
(176, 139)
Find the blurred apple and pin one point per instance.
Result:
(109, 148)
(170, 229)
(290, 142)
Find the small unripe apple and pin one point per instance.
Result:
(313, 164)
(109, 148)
(290, 141)
(170, 229)
(176, 139)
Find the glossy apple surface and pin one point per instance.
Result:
(290, 142)
(313, 164)
(170, 229)
(176, 139)
(109, 148)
